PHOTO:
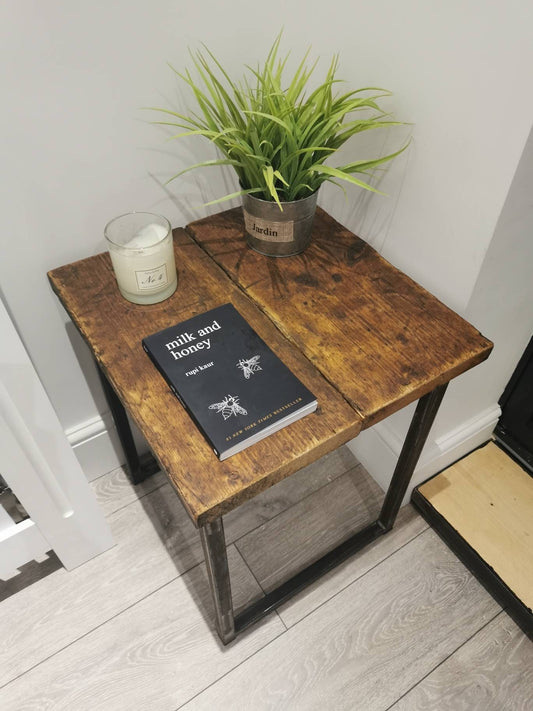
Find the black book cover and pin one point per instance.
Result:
(234, 387)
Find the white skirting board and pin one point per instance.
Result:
(378, 448)
(97, 446)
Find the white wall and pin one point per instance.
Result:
(502, 299)
(501, 307)
(77, 150)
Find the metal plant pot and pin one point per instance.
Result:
(278, 233)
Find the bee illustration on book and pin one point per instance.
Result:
(249, 366)
(228, 407)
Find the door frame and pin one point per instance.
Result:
(41, 469)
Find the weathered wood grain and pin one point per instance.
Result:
(379, 340)
(493, 671)
(114, 328)
(379, 337)
(155, 655)
(369, 644)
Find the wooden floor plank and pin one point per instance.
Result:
(360, 638)
(288, 492)
(409, 524)
(311, 528)
(156, 541)
(369, 644)
(155, 656)
(492, 672)
(488, 499)
(114, 490)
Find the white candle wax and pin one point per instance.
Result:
(147, 236)
(144, 263)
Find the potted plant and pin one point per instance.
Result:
(278, 135)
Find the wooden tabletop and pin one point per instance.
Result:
(377, 336)
(363, 337)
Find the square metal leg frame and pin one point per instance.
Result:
(212, 534)
(230, 625)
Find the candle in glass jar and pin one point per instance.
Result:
(142, 253)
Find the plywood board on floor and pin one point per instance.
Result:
(488, 499)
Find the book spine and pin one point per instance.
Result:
(182, 402)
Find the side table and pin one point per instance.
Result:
(360, 334)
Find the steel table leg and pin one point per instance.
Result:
(140, 467)
(412, 448)
(216, 560)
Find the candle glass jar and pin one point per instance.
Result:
(142, 253)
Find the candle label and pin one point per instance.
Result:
(268, 230)
(152, 278)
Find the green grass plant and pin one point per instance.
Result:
(277, 134)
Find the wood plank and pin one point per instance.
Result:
(28, 574)
(369, 644)
(408, 526)
(278, 548)
(379, 337)
(156, 655)
(493, 671)
(488, 499)
(282, 496)
(114, 328)
(155, 543)
(115, 490)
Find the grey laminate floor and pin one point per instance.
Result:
(403, 625)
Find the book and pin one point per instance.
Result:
(233, 386)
